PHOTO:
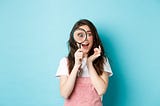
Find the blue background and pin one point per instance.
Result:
(33, 38)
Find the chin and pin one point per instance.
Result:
(85, 51)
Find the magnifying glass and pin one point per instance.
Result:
(80, 35)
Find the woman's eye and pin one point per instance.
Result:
(80, 35)
(89, 34)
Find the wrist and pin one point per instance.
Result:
(89, 63)
(76, 67)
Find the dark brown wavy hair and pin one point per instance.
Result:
(100, 61)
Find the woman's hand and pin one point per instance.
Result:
(97, 53)
(78, 57)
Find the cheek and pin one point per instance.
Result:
(90, 39)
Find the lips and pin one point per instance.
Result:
(85, 44)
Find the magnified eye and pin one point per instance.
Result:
(80, 35)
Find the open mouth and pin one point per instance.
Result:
(85, 45)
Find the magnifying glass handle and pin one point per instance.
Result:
(79, 45)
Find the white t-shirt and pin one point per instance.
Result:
(63, 68)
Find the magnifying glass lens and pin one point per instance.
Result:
(79, 35)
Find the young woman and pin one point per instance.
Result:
(84, 72)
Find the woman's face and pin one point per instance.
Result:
(87, 44)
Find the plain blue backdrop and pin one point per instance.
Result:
(33, 38)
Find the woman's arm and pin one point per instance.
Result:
(100, 83)
(67, 83)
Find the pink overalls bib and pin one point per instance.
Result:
(84, 94)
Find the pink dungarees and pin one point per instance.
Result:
(84, 94)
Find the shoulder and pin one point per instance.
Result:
(107, 67)
(63, 60)
(62, 68)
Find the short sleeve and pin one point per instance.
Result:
(62, 68)
(107, 67)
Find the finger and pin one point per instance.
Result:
(100, 48)
(80, 54)
(80, 50)
(96, 50)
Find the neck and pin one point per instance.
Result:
(85, 55)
